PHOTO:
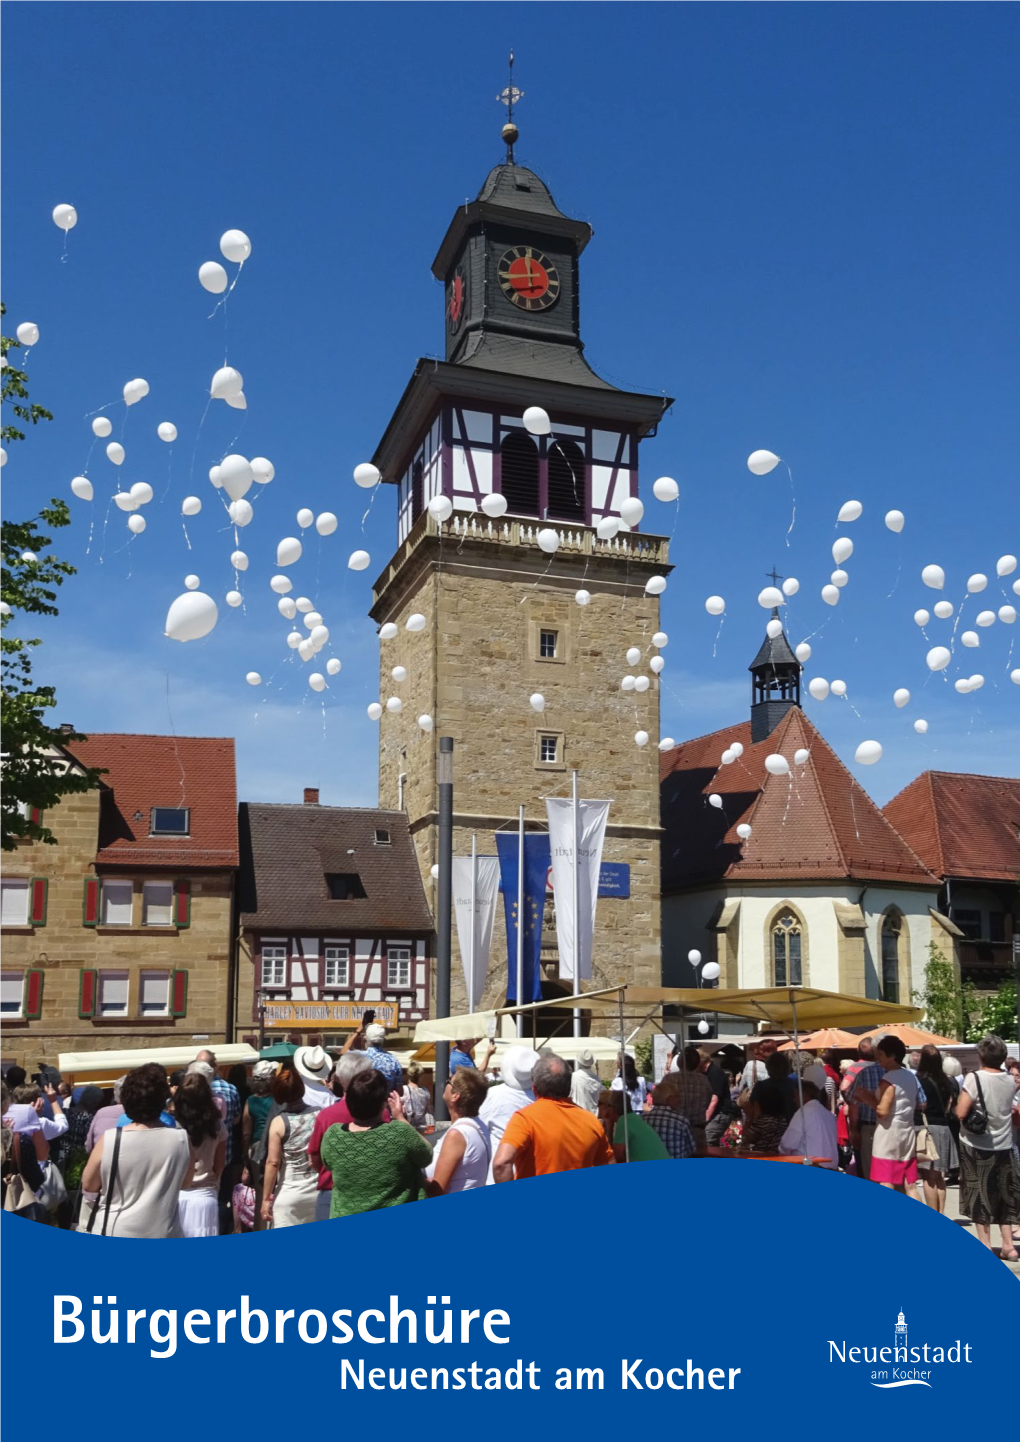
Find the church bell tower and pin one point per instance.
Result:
(505, 619)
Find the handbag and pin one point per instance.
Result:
(926, 1149)
(53, 1192)
(105, 1203)
(976, 1122)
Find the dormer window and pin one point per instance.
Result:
(382, 838)
(170, 821)
(344, 886)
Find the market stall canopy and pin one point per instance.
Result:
(279, 1051)
(104, 1067)
(776, 1004)
(602, 1048)
(910, 1035)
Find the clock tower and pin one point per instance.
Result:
(505, 619)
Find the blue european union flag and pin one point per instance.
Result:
(537, 860)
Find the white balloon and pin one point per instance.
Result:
(434, 872)
(641, 684)
(977, 582)
(305, 518)
(633, 655)
(791, 586)
(238, 559)
(212, 277)
(374, 711)
(192, 583)
(737, 747)
(415, 622)
(963, 685)
(303, 604)
(842, 549)
(235, 246)
(703, 1027)
(191, 616)
(607, 528)
(125, 501)
(394, 704)
(1005, 565)
(970, 638)
(894, 520)
(29, 557)
(294, 638)
(82, 488)
(715, 800)
(934, 576)
(233, 598)
(660, 639)
(253, 678)
(801, 756)
(769, 597)
(710, 970)
(627, 683)
(1016, 587)
(803, 652)
(839, 578)
(655, 585)
(694, 957)
(226, 382)
(867, 753)
(65, 217)
(943, 609)
(1007, 614)
(759, 463)
(818, 688)
(115, 451)
(830, 595)
(235, 476)
(238, 402)
(333, 666)
(317, 681)
(715, 605)
(849, 511)
(240, 512)
(667, 743)
(640, 738)
(656, 664)
(387, 631)
(774, 629)
(976, 682)
(777, 765)
(366, 476)
(922, 617)
(536, 421)
(425, 722)
(920, 726)
(281, 585)
(102, 426)
(744, 831)
(288, 551)
(28, 333)
(136, 524)
(262, 470)
(326, 523)
(167, 431)
(838, 688)
(727, 758)
(286, 608)
(938, 658)
(135, 390)
(305, 649)
(537, 701)
(494, 505)
(399, 673)
(900, 697)
(141, 493)
(214, 476)
(1014, 676)
(582, 597)
(440, 508)
(631, 511)
(665, 489)
(985, 618)
(548, 540)
(312, 619)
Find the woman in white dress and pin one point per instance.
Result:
(291, 1184)
(461, 1161)
(894, 1157)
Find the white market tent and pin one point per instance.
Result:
(102, 1068)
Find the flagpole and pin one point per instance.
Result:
(474, 922)
(577, 906)
(520, 919)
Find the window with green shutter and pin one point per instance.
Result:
(90, 902)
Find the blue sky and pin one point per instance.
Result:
(805, 230)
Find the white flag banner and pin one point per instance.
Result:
(591, 825)
(475, 957)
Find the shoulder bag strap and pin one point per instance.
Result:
(114, 1164)
(981, 1095)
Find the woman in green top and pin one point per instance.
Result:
(257, 1106)
(374, 1163)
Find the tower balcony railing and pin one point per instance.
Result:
(574, 540)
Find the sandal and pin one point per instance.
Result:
(1012, 1256)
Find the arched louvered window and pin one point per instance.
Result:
(417, 487)
(520, 475)
(891, 927)
(566, 482)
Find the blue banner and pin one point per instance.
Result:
(537, 861)
(614, 879)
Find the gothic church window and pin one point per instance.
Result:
(891, 958)
(786, 951)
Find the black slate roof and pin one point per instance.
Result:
(775, 651)
(516, 188)
(526, 356)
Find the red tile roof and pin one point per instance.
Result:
(815, 824)
(962, 825)
(146, 771)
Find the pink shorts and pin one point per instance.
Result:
(896, 1173)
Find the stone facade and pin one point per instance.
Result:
(487, 593)
(62, 948)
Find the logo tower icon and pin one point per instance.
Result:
(900, 1336)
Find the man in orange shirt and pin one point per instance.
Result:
(552, 1134)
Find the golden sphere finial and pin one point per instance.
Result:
(510, 133)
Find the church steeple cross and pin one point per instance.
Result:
(774, 576)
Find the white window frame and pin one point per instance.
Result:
(542, 633)
(10, 979)
(274, 961)
(548, 760)
(120, 1008)
(111, 882)
(394, 982)
(16, 886)
(336, 955)
(148, 1008)
(147, 887)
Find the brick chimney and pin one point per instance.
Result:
(311, 796)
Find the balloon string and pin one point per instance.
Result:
(169, 474)
(715, 643)
(226, 297)
(63, 257)
(899, 568)
(99, 411)
(186, 536)
(371, 503)
(793, 500)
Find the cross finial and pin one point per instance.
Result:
(774, 576)
(509, 97)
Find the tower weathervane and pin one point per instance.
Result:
(509, 96)
(774, 576)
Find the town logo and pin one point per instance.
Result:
(901, 1365)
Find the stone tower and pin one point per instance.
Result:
(501, 616)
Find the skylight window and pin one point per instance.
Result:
(170, 821)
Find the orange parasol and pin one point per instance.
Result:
(910, 1036)
(827, 1036)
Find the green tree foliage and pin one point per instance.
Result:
(995, 1014)
(943, 996)
(35, 772)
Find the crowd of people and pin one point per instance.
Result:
(194, 1154)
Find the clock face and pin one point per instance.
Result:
(456, 298)
(528, 278)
